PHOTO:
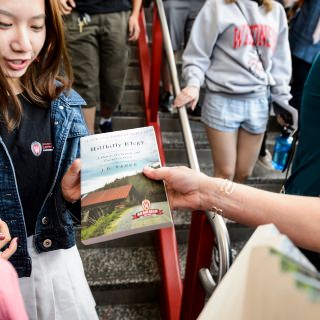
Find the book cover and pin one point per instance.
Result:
(117, 199)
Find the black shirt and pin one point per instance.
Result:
(103, 6)
(30, 147)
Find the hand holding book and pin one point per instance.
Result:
(117, 199)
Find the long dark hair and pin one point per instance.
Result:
(39, 80)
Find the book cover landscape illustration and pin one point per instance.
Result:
(117, 199)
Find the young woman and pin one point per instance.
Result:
(296, 213)
(41, 124)
(239, 49)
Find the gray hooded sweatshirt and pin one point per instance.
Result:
(221, 50)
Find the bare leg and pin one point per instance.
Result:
(89, 116)
(247, 154)
(224, 152)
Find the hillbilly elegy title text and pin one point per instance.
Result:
(117, 145)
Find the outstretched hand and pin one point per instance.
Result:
(184, 185)
(5, 238)
(188, 97)
(70, 184)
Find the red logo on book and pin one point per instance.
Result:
(146, 212)
(36, 148)
(146, 204)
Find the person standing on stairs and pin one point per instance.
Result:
(97, 33)
(180, 15)
(240, 49)
(296, 213)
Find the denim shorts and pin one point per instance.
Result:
(228, 114)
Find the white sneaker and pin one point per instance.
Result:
(266, 161)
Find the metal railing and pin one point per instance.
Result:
(217, 222)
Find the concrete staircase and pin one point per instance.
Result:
(123, 274)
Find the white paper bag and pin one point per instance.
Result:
(256, 283)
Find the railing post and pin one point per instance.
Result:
(156, 60)
(145, 67)
(200, 246)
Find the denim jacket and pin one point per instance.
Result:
(301, 30)
(54, 225)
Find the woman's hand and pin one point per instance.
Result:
(5, 238)
(184, 185)
(134, 28)
(70, 184)
(66, 6)
(188, 97)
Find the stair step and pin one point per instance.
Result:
(125, 275)
(237, 232)
(127, 122)
(122, 275)
(132, 97)
(141, 311)
(133, 76)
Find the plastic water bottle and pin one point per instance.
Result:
(281, 149)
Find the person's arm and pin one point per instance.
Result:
(196, 57)
(134, 28)
(281, 69)
(296, 216)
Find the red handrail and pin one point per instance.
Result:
(200, 246)
(171, 283)
(176, 304)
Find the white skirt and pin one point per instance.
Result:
(57, 288)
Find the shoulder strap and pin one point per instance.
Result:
(288, 164)
(254, 41)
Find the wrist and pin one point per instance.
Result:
(209, 192)
(218, 195)
(135, 14)
(69, 199)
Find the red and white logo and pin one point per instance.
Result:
(146, 204)
(147, 211)
(36, 148)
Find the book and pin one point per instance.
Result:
(270, 279)
(117, 199)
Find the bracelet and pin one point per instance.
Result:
(217, 211)
(227, 186)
